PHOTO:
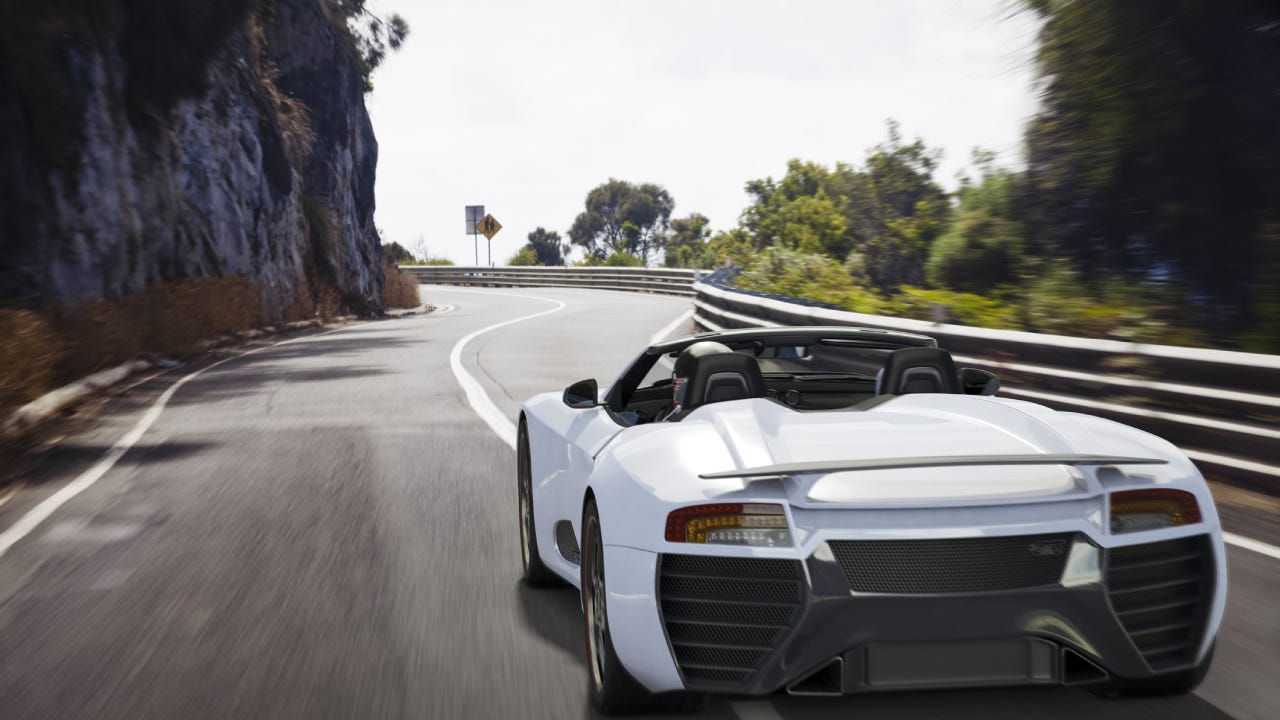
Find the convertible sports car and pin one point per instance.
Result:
(831, 510)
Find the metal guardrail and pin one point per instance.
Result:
(1220, 407)
(666, 281)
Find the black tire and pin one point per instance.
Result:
(536, 574)
(613, 690)
(1177, 683)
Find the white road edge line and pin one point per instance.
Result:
(49, 505)
(1257, 546)
(505, 429)
(499, 423)
(664, 332)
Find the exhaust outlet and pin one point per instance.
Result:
(1080, 670)
(826, 680)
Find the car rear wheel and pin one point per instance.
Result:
(536, 574)
(613, 690)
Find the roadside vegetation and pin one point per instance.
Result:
(544, 248)
(43, 350)
(400, 255)
(429, 260)
(1149, 209)
(399, 288)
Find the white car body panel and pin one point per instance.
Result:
(631, 587)
(639, 474)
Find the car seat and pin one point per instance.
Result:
(918, 370)
(714, 373)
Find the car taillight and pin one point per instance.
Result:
(762, 524)
(1151, 509)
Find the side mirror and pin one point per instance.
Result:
(582, 394)
(978, 382)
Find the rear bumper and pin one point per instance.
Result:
(738, 628)
(899, 642)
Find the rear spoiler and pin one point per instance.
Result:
(773, 471)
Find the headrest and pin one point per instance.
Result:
(714, 373)
(918, 370)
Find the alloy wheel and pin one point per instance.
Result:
(597, 620)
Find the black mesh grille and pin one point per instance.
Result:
(739, 658)
(723, 616)
(687, 610)
(709, 676)
(683, 632)
(953, 565)
(732, 567)
(756, 590)
(1161, 592)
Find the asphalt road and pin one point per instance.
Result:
(326, 528)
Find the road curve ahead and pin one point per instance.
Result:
(326, 528)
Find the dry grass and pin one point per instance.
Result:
(324, 303)
(293, 115)
(28, 350)
(40, 351)
(399, 288)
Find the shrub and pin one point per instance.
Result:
(396, 253)
(28, 351)
(525, 256)
(42, 350)
(1061, 301)
(978, 252)
(430, 260)
(399, 288)
(962, 308)
(623, 258)
(790, 273)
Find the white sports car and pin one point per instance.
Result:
(831, 510)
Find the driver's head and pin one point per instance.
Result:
(684, 366)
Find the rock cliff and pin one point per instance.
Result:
(146, 141)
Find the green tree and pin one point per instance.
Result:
(881, 218)
(799, 211)
(547, 247)
(686, 245)
(734, 246)
(983, 246)
(1155, 154)
(611, 206)
(895, 211)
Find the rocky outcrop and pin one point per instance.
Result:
(266, 170)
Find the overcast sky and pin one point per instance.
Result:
(524, 107)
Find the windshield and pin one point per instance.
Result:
(804, 372)
(823, 360)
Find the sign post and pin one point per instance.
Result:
(489, 226)
(474, 215)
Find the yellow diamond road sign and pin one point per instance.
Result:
(489, 226)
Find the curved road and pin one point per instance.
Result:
(326, 528)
